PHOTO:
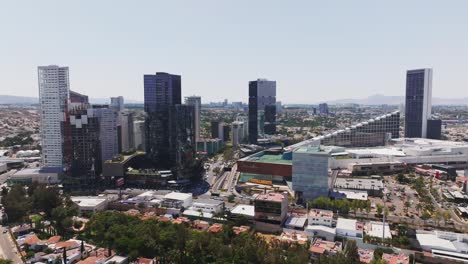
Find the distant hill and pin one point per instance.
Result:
(12, 99)
(379, 99)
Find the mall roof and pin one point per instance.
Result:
(267, 158)
(178, 196)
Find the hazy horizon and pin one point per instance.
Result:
(316, 51)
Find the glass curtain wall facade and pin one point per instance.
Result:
(310, 173)
(374, 132)
(418, 102)
(262, 109)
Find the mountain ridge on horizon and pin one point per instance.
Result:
(376, 99)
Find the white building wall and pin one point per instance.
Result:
(54, 87)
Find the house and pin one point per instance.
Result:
(215, 228)
(320, 247)
(294, 237)
(200, 225)
(320, 217)
(323, 232)
(377, 229)
(366, 255)
(350, 228)
(296, 222)
(396, 259)
(240, 229)
(90, 204)
(117, 260)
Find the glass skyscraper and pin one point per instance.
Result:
(262, 109)
(418, 102)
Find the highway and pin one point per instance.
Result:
(8, 247)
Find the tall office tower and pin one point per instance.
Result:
(139, 134)
(262, 109)
(323, 109)
(85, 158)
(215, 129)
(183, 134)
(108, 136)
(226, 130)
(418, 102)
(162, 93)
(279, 107)
(77, 99)
(54, 87)
(196, 102)
(125, 131)
(117, 103)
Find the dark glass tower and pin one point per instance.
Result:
(262, 109)
(418, 102)
(168, 134)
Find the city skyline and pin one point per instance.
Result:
(303, 47)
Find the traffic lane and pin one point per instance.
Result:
(7, 247)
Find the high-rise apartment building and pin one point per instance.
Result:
(262, 109)
(117, 103)
(54, 88)
(162, 94)
(418, 102)
(196, 102)
(108, 135)
(183, 134)
(237, 128)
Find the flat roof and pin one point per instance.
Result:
(296, 221)
(243, 209)
(178, 196)
(432, 241)
(375, 229)
(88, 201)
(349, 224)
(321, 213)
(208, 201)
(269, 158)
(274, 197)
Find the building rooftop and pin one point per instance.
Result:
(294, 221)
(359, 183)
(242, 209)
(365, 255)
(395, 259)
(273, 197)
(88, 201)
(375, 229)
(321, 213)
(321, 246)
(178, 196)
(207, 201)
(349, 224)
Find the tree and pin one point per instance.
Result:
(352, 251)
(5, 261)
(379, 209)
(16, 204)
(231, 198)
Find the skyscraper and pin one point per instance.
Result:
(125, 131)
(108, 136)
(54, 88)
(162, 93)
(418, 102)
(117, 103)
(196, 102)
(262, 109)
(182, 153)
(139, 134)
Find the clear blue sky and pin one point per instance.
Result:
(315, 50)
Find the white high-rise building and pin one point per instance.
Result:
(196, 102)
(139, 134)
(54, 87)
(117, 103)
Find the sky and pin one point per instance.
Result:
(315, 50)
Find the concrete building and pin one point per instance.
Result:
(350, 228)
(418, 102)
(444, 245)
(310, 173)
(54, 88)
(117, 103)
(238, 135)
(108, 134)
(209, 146)
(378, 229)
(321, 217)
(185, 199)
(207, 205)
(270, 211)
(262, 109)
(46, 175)
(195, 101)
(322, 232)
(90, 204)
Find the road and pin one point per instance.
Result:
(8, 247)
(4, 176)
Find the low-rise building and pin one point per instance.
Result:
(90, 204)
(396, 259)
(366, 255)
(321, 217)
(350, 228)
(296, 222)
(378, 229)
(46, 175)
(320, 231)
(175, 199)
(207, 205)
(320, 247)
(270, 211)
